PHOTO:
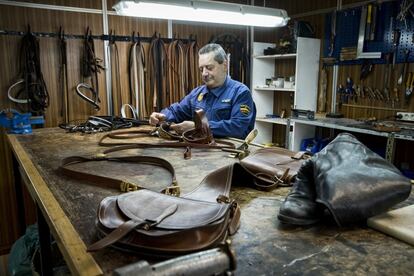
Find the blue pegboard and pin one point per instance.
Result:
(347, 30)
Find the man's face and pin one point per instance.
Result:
(212, 73)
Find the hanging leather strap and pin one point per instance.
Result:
(177, 72)
(193, 74)
(137, 77)
(63, 76)
(115, 75)
(157, 59)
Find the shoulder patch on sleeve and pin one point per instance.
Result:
(200, 97)
(245, 109)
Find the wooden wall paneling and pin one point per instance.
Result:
(90, 4)
(17, 18)
(9, 231)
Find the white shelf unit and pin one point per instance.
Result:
(305, 91)
(274, 89)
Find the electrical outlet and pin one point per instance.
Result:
(405, 116)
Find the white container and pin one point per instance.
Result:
(289, 84)
(279, 82)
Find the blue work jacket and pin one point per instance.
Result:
(230, 109)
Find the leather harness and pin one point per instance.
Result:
(35, 92)
(91, 66)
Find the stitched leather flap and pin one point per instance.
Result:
(144, 205)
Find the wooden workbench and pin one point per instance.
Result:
(263, 245)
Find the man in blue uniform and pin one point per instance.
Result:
(227, 103)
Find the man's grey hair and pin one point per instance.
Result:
(219, 54)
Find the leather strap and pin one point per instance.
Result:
(199, 137)
(137, 78)
(63, 76)
(94, 99)
(14, 98)
(193, 74)
(157, 59)
(177, 72)
(115, 75)
(114, 183)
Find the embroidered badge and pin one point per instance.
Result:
(200, 97)
(226, 100)
(244, 108)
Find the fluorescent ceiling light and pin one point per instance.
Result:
(204, 11)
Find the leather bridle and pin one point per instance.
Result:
(91, 66)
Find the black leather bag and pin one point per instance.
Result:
(355, 183)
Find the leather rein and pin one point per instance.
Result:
(198, 137)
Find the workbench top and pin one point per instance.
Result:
(263, 245)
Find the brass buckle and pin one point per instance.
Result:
(126, 186)
(173, 190)
(223, 199)
(99, 156)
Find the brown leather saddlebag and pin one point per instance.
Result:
(149, 222)
(273, 167)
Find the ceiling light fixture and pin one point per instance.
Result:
(204, 11)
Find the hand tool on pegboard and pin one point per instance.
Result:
(333, 33)
(396, 41)
(373, 22)
(368, 22)
(409, 87)
(404, 68)
(405, 9)
(387, 76)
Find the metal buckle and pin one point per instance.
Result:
(173, 190)
(99, 156)
(223, 199)
(126, 186)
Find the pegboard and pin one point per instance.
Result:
(347, 31)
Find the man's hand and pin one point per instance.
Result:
(182, 127)
(156, 118)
